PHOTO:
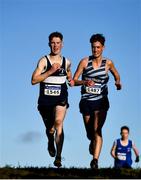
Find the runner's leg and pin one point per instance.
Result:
(88, 122)
(99, 119)
(88, 128)
(60, 112)
(48, 119)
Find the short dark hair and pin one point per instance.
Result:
(97, 37)
(124, 127)
(55, 34)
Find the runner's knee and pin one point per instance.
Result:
(51, 131)
(58, 122)
(98, 132)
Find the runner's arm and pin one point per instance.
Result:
(113, 150)
(135, 150)
(69, 73)
(115, 73)
(79, 71)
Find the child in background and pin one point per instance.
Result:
(121, 150)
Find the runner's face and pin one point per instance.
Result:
(56, 45)
(124, 134)
(97, 49)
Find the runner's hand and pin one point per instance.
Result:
(55, 67)
(89, 83)
(137, 159)
(71, 82)
(118, 85)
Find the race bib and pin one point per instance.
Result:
(121, 156)
(52, 90)
(96, 89)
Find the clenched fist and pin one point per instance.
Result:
(55, 67)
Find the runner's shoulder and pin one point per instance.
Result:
(42, 63)
(42, 60)
(68, 62)
(109, 62)
(84, 61)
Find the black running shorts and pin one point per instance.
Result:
(87, 107)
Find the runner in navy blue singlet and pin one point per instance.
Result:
(94, 102)
(52, 72)
(121, 150)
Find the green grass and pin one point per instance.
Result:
(66, 173)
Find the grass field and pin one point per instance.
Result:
(67, 173)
